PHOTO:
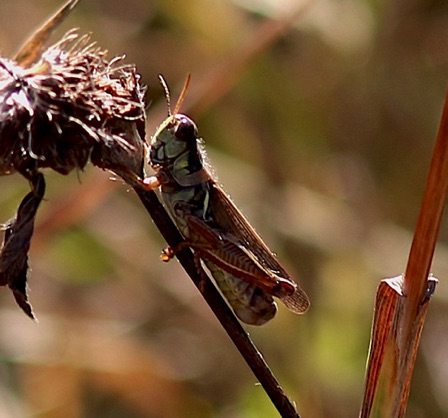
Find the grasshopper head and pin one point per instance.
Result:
(175, 137)
(175, 151)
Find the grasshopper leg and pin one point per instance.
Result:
(167, 254)
(150, 183)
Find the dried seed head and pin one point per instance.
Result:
(71, 105)
(58, 109)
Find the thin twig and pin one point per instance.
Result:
(219, 307)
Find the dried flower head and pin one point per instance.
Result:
(59, 109)
(67, 108)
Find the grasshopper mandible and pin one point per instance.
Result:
(246, 271)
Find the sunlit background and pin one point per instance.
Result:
(320, 118)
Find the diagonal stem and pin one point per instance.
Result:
(219, 307)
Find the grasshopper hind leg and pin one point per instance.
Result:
(251, 304)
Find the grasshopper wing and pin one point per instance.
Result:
(229, 218)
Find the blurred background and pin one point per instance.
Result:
(319, 118)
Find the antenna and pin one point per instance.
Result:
(182, 95)
(167, 94)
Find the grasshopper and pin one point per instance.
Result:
(246, 271)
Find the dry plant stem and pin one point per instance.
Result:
(428, 225)
(380, 395)
(422, 250)
(388, 293)
(220, 308)
(32, 49)
(396, 330)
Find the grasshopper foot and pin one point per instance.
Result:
(167, 254)
(150, 183)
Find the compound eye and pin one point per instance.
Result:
(186, 130)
